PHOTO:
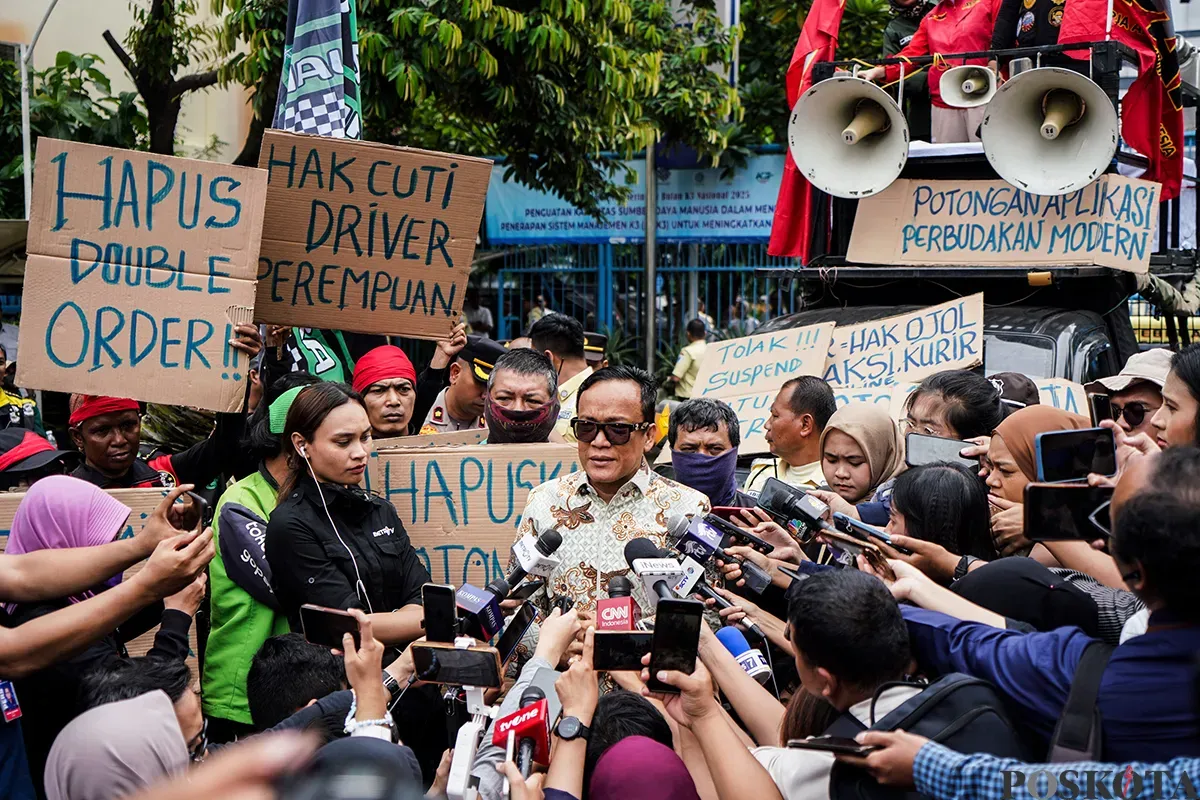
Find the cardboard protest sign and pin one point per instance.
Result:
(140, 266)
(461, 505)
(762, 362)
(1110, 222)
(469, 436)
(1064, 394)
(366, 237)
(892, 398)
(142, 502)
(908, 347)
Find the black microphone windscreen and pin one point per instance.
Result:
(641, 548)
(531, 695)
(619, 586)
(548, 542)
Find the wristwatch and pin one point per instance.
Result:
(964, 566)
(392, 685)
(569, 728)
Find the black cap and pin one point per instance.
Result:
(23, 450)
(594, 345)
(481, 353)
(1016, 390)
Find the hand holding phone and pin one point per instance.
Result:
(327, 626)
(922, 449)
(833, 744)
(620, 651)
(445, 663)
(676, 641)
(1064, 456)
(1056, 512)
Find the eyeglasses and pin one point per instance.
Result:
(615, 432)
(909, 425)
(1101, 518)
(1134, 413)
(198, 746)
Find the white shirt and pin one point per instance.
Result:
(804, 774)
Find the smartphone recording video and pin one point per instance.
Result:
(1072, 455)
(327, 626)
(444, 663)
(676, 641)
(622, 651)
(921, 449)
(1055, 513)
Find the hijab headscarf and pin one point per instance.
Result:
(876, 433)
(639, 768)
(116, 749)
(60, 512)
(1019, 429)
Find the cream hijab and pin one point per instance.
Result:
(116, 749)
(876, 433)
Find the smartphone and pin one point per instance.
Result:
(776, 498)
(465, 666)
(618, 651)
(725, 512)
(525, 590)
(1101, 406)
(1054, 512)
(441, 612)
(564, 603)
(1071, 455)
(921, 449)
(327, 626)
(676, 640)
(863, 531)
(518, 624)
(206, 511)
(833, 744)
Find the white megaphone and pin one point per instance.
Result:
(848, 137)
(967, 86)
(1050, 131)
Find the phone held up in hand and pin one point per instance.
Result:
(327, 626)
(675, 642)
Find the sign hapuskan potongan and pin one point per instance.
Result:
(140, 266)
(367, 237)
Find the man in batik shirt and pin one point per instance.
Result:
(615, 497)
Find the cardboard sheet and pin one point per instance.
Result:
(367, 237)
(469, 436)
(762, 362)
(1064, 394)
(908, 347)
(461, 505)
(140, 266)
(1109, 223)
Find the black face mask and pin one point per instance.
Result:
(914, 12)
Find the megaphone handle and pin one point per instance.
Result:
(900, 90)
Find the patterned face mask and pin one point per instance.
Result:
(506, 426)
(916, 11)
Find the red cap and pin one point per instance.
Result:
(93, 405)
(30, 445)
(381, 364)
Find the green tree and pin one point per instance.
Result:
(71, 100)
(772, 28)
(164, 41)
(564, 89)
(260, 25)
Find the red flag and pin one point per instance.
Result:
(791, 226)
(1152, 109)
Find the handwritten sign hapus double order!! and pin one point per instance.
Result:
(140, 266)
(366, 237)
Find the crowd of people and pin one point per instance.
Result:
(950, 646)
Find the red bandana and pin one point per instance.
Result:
(95, 405)
(382, 364)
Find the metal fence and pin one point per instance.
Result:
(603, 286)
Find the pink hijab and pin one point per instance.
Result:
(639, 768)
(60, 512)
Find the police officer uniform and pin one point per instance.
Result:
(480, 354)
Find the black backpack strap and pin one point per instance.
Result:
(1077, 735)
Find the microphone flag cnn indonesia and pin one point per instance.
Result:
(791, 229)
(1152, 109)
(318, 92)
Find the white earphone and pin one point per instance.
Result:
(359, 587)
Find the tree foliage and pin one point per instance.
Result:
(71, 100)
(165, 40)
(564, 89)
(772, 28)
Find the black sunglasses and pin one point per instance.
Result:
(1134, 413)
(586, 430)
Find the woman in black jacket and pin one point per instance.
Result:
(330, 543)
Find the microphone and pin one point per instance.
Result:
(619, 612)
(732, 534)
(480, 609)
(659, 572)
(535, 556)
(750, 659)
(530, 726)
(789, 503)
(698, 539)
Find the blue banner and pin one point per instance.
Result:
(693, 205)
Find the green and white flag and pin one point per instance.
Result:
(318, 93)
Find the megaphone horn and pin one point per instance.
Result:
(848, 137)
(968, 86)
(1050, 131)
